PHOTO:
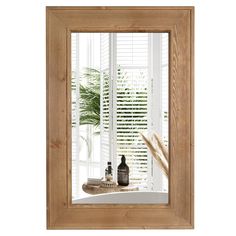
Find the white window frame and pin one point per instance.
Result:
(89, 164)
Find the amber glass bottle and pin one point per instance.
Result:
(123, 173)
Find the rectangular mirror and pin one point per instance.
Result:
(119, 94)
(120, 117)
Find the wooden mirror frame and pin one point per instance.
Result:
(179, 23)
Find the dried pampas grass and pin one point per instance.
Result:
(158, 150)
(162, 146)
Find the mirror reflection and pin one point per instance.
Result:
(119, 110)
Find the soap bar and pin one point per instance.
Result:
(94, 181)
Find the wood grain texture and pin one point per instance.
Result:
(178, 22)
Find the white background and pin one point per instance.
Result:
(22, 114)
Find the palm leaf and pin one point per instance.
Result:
(90, 98)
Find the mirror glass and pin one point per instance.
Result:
(119, 118)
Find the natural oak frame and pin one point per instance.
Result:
(179, 23)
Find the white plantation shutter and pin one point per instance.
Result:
(132, 50)
(104, 100)
(75, 112)
(164, 87)
(126, 59)
(131, 103)
(159, 100)
(164, 96)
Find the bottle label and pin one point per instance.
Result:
(123, 177)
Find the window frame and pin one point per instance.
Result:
(89, 164)
(178, 22)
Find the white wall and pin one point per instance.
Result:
(22, 126)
